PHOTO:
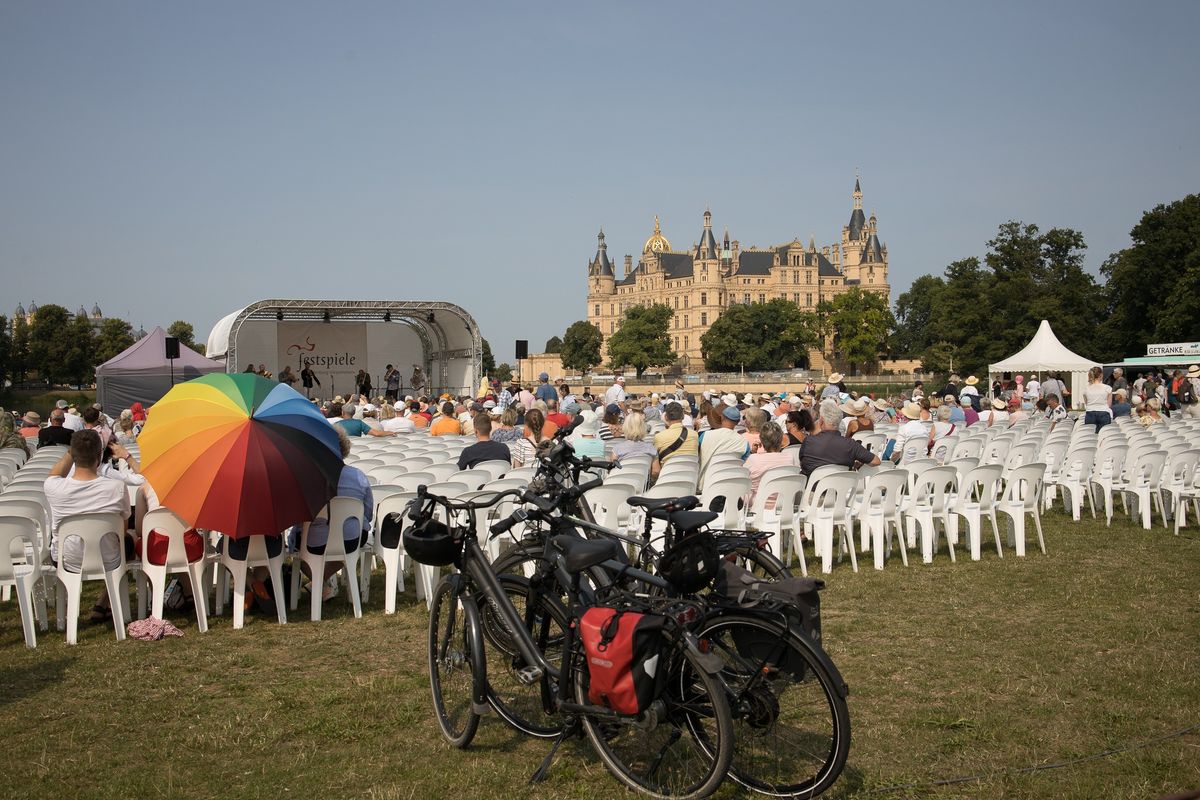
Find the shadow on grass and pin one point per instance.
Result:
(19, 682)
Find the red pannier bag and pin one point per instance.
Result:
(623, 650)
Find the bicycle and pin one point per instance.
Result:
(679, 746)
(792, 725)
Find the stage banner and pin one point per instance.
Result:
(335, 351)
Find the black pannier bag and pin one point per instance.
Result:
(623, 650)
(799, 598)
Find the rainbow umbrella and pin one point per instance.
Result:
(240, 454)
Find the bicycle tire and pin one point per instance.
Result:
(791, 722)
(691, 695)
(457, 671)
(523, 706)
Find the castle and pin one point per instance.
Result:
(699, 282)
(96, 317)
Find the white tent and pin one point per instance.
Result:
(1046, 353)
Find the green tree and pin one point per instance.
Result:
(940, 358)
(186, 334)
(81, 351)
(488, 363)
(19, 354)
(1153, 286)
(581, 347)
(859, 323)
(49, 343)
(5, 351)
(642, 340)
(553, 345)
(759, 336)
(504, 372)
(115, 336)
(916, 317)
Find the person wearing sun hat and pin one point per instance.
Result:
(832, 386)
(857, 419)
(969, 393)
(880, 409)
(998, 415)
(910, 430)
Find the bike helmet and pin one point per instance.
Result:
(432, 543)
(691, 563)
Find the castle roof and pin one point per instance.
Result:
(857, 223)
(825, 267)
(604, 266)
(755, 262)
(677, 265)
(20, 310)
(96, 311)
(874, 252)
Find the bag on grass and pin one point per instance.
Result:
(622, 650)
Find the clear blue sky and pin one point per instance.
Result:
(179, 160)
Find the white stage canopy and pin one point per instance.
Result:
(337, 338)
(1045, 353)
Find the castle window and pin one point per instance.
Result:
(597, 311)
(685, 342)
(808, 300)
(685, 320)
(676, 342)
(703, 319)
(612, 308)
(795, 276)
(704, 298)
(612, 327)
(685, 299)
(762, 298)
(747, 298)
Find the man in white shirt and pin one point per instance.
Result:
(85, 492)
(398, 424)
(616, 393)
(724, 439)
(1034, 385)
(911, 430)
(73, 422)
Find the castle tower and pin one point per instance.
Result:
(601, 311)
(854, 237)
(708, 244)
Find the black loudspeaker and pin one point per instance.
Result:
(522, 348)
(172, 347)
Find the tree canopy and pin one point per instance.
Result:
(859, 324)
(642, 341)
(186, 334)
(553, 345)
(980, 312)
(114, 337)
(759, 336)
(581, 346)
(1154, 285)
(5, 351)
(488, 361)
(49, 342)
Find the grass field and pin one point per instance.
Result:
(955, 670)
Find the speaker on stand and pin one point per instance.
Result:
(171, 346)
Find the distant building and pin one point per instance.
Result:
(96, 317)
(700, 282)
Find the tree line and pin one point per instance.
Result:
(981, 311)
(62, 348)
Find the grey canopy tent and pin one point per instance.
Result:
(143, 374)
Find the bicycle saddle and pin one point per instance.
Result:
(687, 520)
(579, 554)
(653, 504)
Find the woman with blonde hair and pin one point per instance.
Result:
(634, 441)
(507, 431)
(754, 420)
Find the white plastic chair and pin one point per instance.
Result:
(1179, 474)
(256, 556)
(727, 494)
(1144, 482)
(393, 558)
(877, 512)
(977, 496)
(1108, 470)
(929, 504)
(498, 469)
(782, 491)
(1021, 497)
(91, 529)
(166, 523)
(829, 508)
(16, 533)
(1074, 476)
(339, 511)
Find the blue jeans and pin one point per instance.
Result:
(1097, 418)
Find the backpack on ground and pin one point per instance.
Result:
(623, 649)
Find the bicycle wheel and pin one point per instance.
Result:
(523, 706)
(791, 724)
(682, 746)
(456, 665)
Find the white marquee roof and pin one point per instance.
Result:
(1044, 352)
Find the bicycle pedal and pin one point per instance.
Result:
(529, 675)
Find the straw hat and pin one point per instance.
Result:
(972, 380)
(881, 404)
(33, 418)
(855, 408)
(911, 410)
(1194, 371)
(835, 377)
(999, 404)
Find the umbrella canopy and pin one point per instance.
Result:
(240, 454)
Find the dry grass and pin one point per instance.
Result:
(955, 670)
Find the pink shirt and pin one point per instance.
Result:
(758, 463)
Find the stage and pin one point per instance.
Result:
(337, 338)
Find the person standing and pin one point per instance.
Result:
(307, 379)
(391, 379)
(287, 376)
(362, 383)
(545, 392)
(1097, 400)
(1189, 394)
(417, 380)
(616, 393)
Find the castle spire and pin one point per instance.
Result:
(601, 265)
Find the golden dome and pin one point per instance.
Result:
(657, 243)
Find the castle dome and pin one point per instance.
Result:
(96, 313)
(657, 243)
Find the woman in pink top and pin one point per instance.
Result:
(770, 440)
